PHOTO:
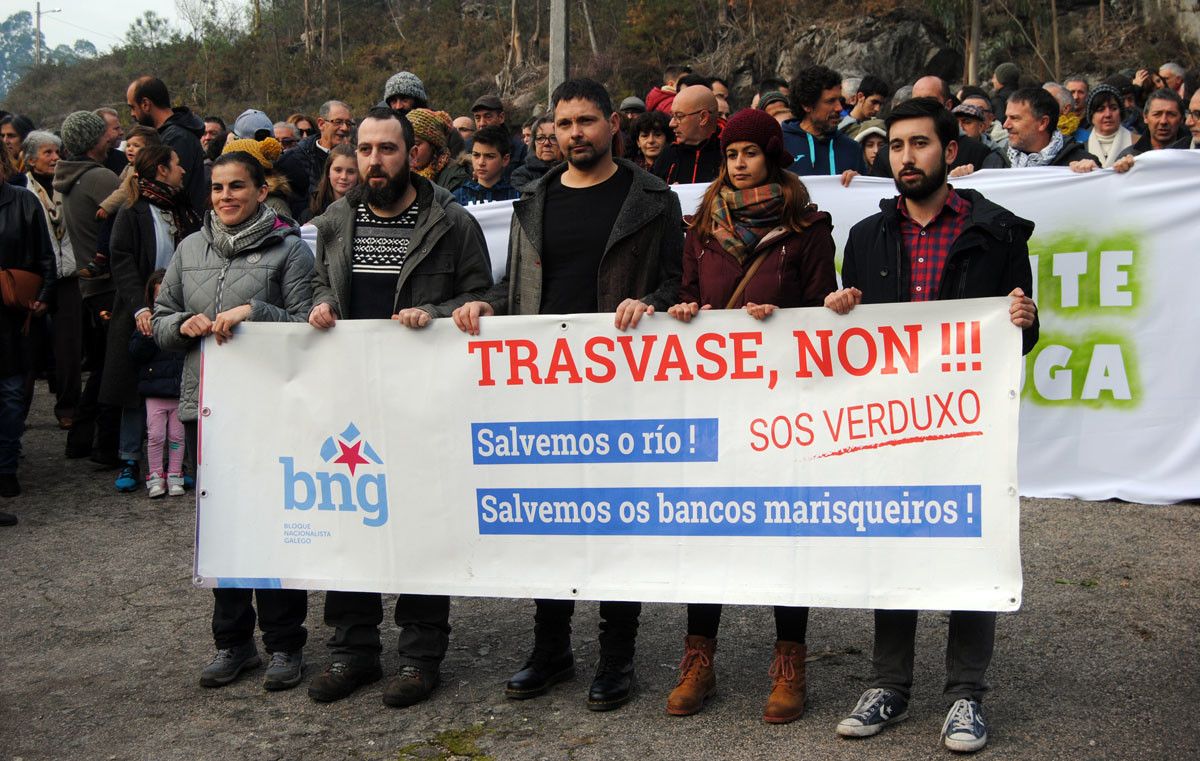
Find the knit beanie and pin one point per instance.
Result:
(1101, 92)
(264, 152)
(430, 126)
(755, 126)
(406, 85)
(81, 131)
(1008, 74)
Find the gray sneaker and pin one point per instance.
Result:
(228, 663)
(283, 672)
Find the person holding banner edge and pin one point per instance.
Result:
(595, 234)
(245, 263)
(394, 247)
(757, 243)
(933, 242)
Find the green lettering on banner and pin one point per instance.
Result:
(1082, 275)
(1097, 369)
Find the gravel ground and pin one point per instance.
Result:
(104, 637)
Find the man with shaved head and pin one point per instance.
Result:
(696, 154)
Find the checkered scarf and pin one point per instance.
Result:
(742, 217)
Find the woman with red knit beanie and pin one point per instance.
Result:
(756, 243)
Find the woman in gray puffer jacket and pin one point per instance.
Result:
(245, 263)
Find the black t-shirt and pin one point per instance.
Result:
(380, 248)
(575, 229)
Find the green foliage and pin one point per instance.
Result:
(18, 42)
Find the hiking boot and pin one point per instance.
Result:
(228, 663)
(284, 670)
(697, 680)
(175, 486)
(410, 686)
(876, 709)
(155, 486)
(9, 485)
(341, 679)
(786, 702)
(965, 729)
(129, 477)
(612, 686)
(543, 670)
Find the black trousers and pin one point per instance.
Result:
(424, 622)
(618, 626)
(281, 614)
(68, 346)
(791, 624)
(97, 426)
(969, 647)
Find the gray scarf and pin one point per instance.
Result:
(231, 241)
(1043, 157)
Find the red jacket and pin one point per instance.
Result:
(798, 270)
(659, 99)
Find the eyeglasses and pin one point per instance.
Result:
(306, 132)
(680, 117)
(339, 123)
(1195, 115)
(546, 139)
(288, 141)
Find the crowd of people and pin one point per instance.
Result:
(124, 247)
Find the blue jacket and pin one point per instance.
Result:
(847, 153)
(159, 372)
(472, 192)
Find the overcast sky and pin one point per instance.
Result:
(103, 23)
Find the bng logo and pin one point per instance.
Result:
(351, 485)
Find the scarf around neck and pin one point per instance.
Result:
(436, 166)
(1108, 148)
(742, 217)
(183, 220)
(1043, 157)
(231, 241)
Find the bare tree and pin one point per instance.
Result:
(587, 20)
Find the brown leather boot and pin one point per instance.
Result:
(786, 702)
(697, 680)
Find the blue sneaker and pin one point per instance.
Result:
(876, 709)
(189, 483)
(965, 729)
(130, 478)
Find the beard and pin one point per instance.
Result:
(382, 197)
(145, 120)
(585, 160)
(924, 187)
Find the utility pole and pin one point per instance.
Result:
(560, 43)
(37, 37)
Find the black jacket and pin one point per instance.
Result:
(182, 132)
(159, 373)
(989, 258)
(302, 166)
(531, 171)
(687, 164)
(1182, 141)
(24, 245)
(1072, 151)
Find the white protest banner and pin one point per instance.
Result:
(866, 460)
(1110, 403)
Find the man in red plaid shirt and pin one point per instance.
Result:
(933, 242)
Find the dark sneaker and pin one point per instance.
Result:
(283, 670)
(9, 485)
(876, 709)
(542, 671)
(341, 679)
(8, 519)
(965, 729)
(613, 684)
(410, 687)
(228, 663)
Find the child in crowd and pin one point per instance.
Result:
(158, 381)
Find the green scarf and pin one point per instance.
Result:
(742, 217)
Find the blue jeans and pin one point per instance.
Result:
(12, 421)
(133, 429)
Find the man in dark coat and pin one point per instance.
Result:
(150, 105)
(931, 243)
(25, 249)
